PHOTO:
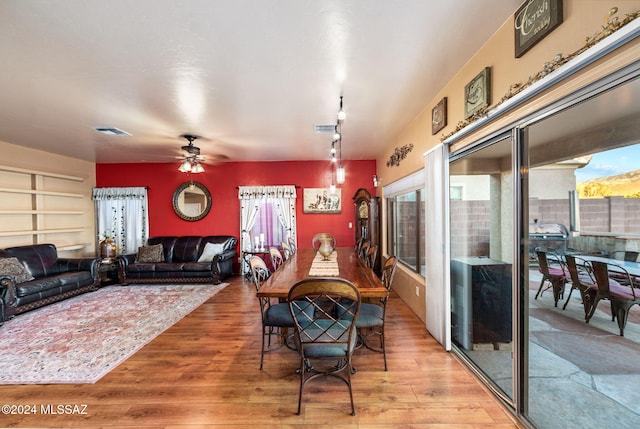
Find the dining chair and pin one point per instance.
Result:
(372, 254)
(581, 275)
(553, 271)
(276, 257)
(286, 250)
(325, 311)
(275, 316)
(622, 297)
(317, 239)
(372, 315)
(364, 249)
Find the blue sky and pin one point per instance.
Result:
(610, 163)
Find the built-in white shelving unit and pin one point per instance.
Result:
(41, 204)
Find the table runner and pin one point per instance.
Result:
(321, 268)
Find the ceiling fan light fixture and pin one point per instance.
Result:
(197, 168)
(185, 167)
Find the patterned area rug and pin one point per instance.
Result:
(81, 339)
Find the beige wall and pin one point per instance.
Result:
(62, 202)
(582, 18)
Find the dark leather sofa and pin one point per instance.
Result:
(54, 278)
(180, 263)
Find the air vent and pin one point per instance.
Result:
(111, 131)
(325, 128)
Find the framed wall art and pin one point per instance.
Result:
(321, 200)
(439, 116)
(533, 21)
(477, 93)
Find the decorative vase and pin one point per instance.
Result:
(107, 249)
(326, 248)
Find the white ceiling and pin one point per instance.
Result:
(251, 77)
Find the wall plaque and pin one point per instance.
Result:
(439, 116)
(477, 93)
(533, 21)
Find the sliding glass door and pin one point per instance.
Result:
(481, 216)
(567, 181)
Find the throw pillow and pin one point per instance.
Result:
(211, 250)
(14, 268)
(150, 254)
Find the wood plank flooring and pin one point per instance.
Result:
(204, 373)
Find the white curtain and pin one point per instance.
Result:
(252, 198)
(438, 295)
(122, 213)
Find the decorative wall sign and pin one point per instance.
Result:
(439, 116)
(321, 200)
(477, 93)
(533, 21)
(399, 154)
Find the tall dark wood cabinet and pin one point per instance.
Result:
(367, 223)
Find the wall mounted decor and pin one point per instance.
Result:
(439, 116)
(322, 200)
(399, 154)
(477, 93)
(534, 20)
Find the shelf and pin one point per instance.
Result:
(38, 192)
(41, 173)
(72, 247)
(34, 197)
(39, 232)
(48, 212)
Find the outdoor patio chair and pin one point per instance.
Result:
(553, 271)
(622, 297)
(325, 311)
(580, 272)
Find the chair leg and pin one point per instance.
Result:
(622, 314)
(262, 348)
(596, 300)
(564, 307)
(540, 288)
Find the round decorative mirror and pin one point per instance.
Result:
(191, 201)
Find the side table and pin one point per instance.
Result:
(245, 260)
(108, 271)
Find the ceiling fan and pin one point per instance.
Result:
(192, 162)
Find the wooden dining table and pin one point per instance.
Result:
(297, 267)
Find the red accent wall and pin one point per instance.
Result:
(222, 180)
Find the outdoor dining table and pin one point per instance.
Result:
(633, 268)
(350, 267)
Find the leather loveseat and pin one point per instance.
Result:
(34, 275)
(187, 259)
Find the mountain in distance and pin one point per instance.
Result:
(626, 185)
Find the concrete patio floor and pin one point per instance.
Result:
(580, 375)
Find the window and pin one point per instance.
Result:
(405, 221)
(268, 225)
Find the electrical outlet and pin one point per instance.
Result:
(417, 290)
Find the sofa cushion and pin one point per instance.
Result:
(167, 243)
(186, 249)
(150, 254)
(38, 286)
(14, 268)
(40, 259)
(211, 250)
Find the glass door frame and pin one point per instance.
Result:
(518, 133)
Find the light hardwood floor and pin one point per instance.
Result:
(204, 372)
